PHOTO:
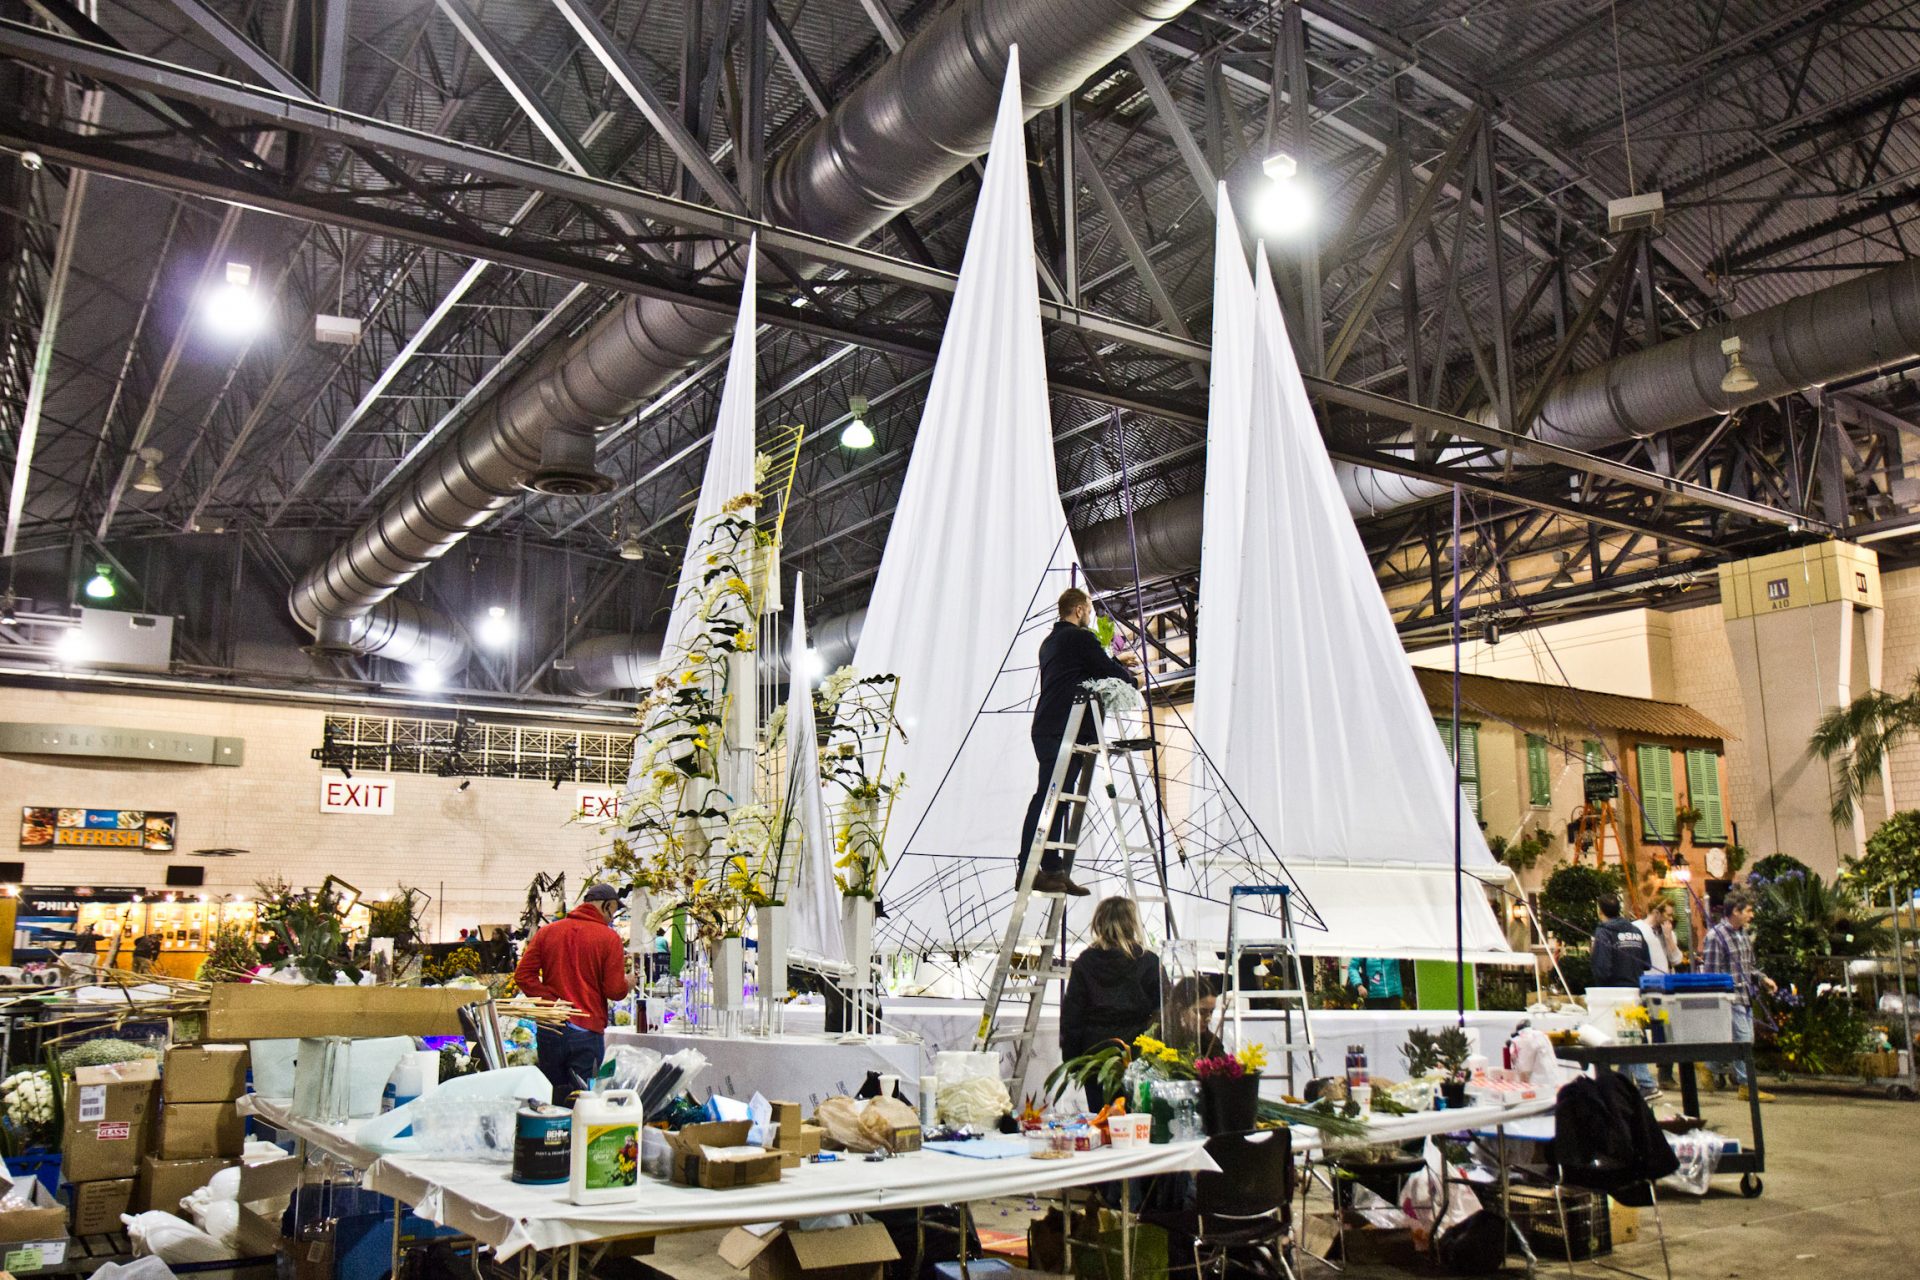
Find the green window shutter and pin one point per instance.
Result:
(1596, 756)
(1469, 758)
(1703, 791)
(1656, 792)
(1539, 777)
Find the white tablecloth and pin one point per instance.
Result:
(791, 1068)
(484, 1202)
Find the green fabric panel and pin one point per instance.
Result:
(1703, 791)
(1682, 916)
(1539, 776)
(1433, 985)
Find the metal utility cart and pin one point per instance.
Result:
(1749, 1163)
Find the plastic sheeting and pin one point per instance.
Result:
(1330, 747)
(816, 939)
(975, 558)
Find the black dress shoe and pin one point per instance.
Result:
(1058, 882)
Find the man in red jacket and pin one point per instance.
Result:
(577, 958)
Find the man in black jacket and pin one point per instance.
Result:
(1069, 656)
(1620, 956)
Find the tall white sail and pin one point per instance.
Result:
(975, 557)
(729, 473)
(816, 938)
(1330, 747)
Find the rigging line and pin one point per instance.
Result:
(1620, 89)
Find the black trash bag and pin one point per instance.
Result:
(1475, 1247)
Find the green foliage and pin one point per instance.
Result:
(1775, 865)
(231, 954)
(1823, 1035)
(1568, 902)
(305, 931)
(399, 917)
(1420, 1052)
(1858, 738)
(1892, 859)
(1804, 919)
(1576, 966)
(1453, 1049)
(1524, 853)
(1737, 856)
(98, 1053)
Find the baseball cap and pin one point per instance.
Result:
(600, 893)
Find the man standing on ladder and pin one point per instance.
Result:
(1069, 656)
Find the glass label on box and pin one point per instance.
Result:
(93, 1103)
(113, 1131)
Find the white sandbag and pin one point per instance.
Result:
(172, 1239)
(147, 1268)
(225, 1184)
(222, 1222)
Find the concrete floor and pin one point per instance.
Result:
(1841, 1200)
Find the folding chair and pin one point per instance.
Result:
(1244, 1212)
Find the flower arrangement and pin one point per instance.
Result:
(231, 957)
(1116, 696)
(26, 1098)
(1249, 1061)
(856, 720)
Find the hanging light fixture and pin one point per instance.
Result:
(496, 629)
(857, 434)
(426, 676)
(234, 310)
(1739, 380)
(630, 549)
(1285, 208)
(100, 585)
(149, 480)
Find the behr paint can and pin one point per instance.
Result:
(542, 1143)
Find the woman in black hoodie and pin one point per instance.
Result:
(1113, 991)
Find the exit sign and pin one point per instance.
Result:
(365, 796)
(597, 804)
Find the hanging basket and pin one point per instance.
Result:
(1230, 1105)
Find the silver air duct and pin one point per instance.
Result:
(398, 630)
(1834, 334)
(607, 663)
(885, 148)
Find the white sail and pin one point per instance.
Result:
(816, 939)
(1330, 747)
(729, 473)
(975, 557)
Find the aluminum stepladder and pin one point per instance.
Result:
(1027, 964)
(1290, 1000)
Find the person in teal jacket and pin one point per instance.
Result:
(1378, 980)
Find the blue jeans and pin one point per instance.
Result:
(1643, 1076)
(569, 1058)
(1742, 1032)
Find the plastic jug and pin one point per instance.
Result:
(605, 1165)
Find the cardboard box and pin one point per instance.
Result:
(844, 1253)
(691, 1165)
(47, 1219)
(197, 1130)
(787, 1116)
(97, 1206)
(1624, 1220)
(107, 1113)
(278, 1011)
(204, 1073)
(163, 1184)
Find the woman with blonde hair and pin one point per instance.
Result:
(1113, 989)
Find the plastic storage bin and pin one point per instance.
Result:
(1704, 1017)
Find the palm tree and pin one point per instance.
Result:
(1857, 738)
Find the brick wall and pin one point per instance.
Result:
(1704, 679)
(1901, 662)
(475, 850)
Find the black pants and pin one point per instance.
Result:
(1046, 750)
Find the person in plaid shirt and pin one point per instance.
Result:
(1729, 950)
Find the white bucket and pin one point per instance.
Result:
(1605, 1003)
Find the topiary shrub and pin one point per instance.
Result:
(1892, 860)
(1569, 901)
(1776, 865)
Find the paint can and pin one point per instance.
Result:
(542, 1143)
